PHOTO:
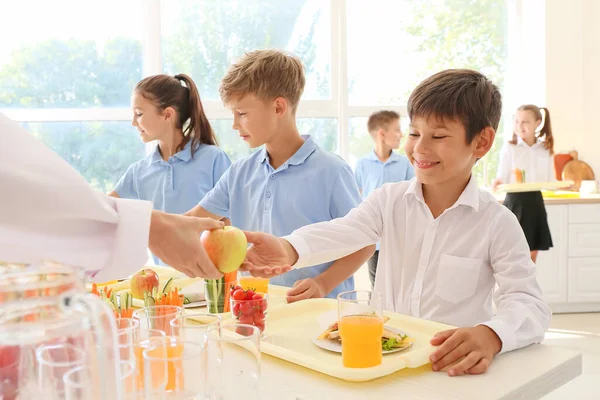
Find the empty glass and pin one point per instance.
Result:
(78, 382)
(193, 327)
(233, 356)
(157, 317)
(174, 368)
(54, 361)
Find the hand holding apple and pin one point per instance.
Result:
(226, 247)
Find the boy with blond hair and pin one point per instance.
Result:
(383, 164)
(291, 182)
(447, 247)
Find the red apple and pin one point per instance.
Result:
(226, 247)
(143, 281)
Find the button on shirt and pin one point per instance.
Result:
(177, 185)
(312, 186)
(442, 269)
(371, 173)
(535, 160)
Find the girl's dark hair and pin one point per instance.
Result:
(180, 93)
(546, 131)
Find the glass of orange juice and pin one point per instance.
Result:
(141, 342)
(260, 285)
(361, 327)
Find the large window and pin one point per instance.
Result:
(100, 151)
(69, 53)
(70, 79)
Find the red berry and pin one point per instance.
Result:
(258, 317)
(260, 326)
(239, 295)
(246, 308)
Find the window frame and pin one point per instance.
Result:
(336, 107)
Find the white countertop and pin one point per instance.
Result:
(526, 374)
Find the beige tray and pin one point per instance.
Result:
(534, 186)
(291, 327)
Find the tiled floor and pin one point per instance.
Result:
(579, 332)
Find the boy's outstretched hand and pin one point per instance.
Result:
(477, 345)
(303, 289)
(268, 255)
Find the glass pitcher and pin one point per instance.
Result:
(48, 326)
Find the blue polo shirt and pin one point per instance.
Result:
(177, 185)
(371, 173)
(312, 186)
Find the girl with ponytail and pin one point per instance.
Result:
(529, 157)
(186, 162)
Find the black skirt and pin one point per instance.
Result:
(531, 213)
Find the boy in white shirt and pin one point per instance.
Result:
(445, 244)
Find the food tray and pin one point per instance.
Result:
(291, 327)
(534, 186)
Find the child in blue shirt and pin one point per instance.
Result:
(186, 162)
(383, 164)
(291, 182)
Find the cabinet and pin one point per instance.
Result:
(569, 273)
(551, 264)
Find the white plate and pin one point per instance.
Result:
(534, 186)
(335, 346)
(195, 304)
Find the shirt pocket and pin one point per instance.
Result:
(457, 278)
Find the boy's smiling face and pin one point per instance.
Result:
(438, 149)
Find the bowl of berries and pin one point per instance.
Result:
(249, 307)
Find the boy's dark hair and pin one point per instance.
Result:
(463, 95)
(381, 119)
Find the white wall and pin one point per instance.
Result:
(572, 76)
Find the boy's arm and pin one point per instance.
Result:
(315, 244)
(215, 203)
(335, 239)
(344, 197)
(522, 316)
(343, 268)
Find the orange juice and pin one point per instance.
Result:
(361, 340)
(138, 349)
(174, 378)
(260, 285)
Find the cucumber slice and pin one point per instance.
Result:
(148, 300)
(168, 286)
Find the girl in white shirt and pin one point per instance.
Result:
(530, 151)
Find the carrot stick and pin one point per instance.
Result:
(226, 306)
